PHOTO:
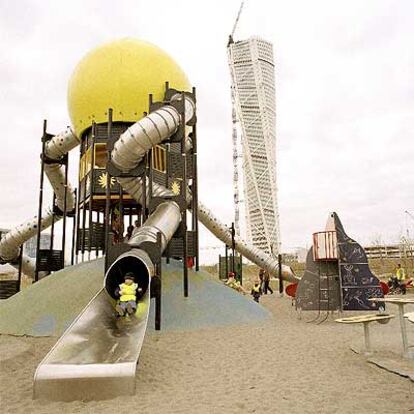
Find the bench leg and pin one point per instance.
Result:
(368, 350)
(406, 351)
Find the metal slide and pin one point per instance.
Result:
(96, 357)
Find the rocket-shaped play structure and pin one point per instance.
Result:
(337, 275)
(134, 117)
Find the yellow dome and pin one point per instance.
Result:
(120, 75)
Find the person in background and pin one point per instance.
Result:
(266, 283)
(116, 227)
(400, 276)
(261, 279)
(396, 282)
(234, 284)
(400, 273)
(256, 291)
(135, 228)
(130, 229)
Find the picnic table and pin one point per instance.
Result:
(400, 302)
(366, 320)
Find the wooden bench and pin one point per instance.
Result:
(366, 320)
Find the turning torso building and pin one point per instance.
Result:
(253, 93)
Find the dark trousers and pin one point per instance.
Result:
(266, 287)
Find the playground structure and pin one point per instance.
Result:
(337, 275)
(136, 125)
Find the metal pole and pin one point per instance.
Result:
(52, 228)
(19, 276)
(279, 258)
(167, 185)
(403, 328)
(233, 250)
(367, 339)
(84, 200)
(78, 196)
(241, 270)
(195, 191)
(158, 294)
(227, 263)
(91, 186)
(220, 273)
(184, 220)
(65, 207)
(144, 191)
(39, 214)
(108, 190)
(98, 227)
(72, 255)
(150, 177)
(139, 215)
(183, 194)
(121, 214)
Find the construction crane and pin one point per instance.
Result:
(236, 198)
(235, 24)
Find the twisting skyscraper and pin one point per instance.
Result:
(253, 95)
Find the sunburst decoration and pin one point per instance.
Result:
(175, 187)
(103, 180)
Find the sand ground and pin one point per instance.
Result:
(282, 366)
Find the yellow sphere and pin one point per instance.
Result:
(120, 75)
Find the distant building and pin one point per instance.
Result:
(253, 92)
(396, 251)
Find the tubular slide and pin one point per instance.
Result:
(55, 149)
(97, 355)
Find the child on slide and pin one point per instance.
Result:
(127, 292)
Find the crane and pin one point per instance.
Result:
(235, 24)
(234, 133)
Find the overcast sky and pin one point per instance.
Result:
(344, 92)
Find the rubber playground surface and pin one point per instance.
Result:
(48, 307)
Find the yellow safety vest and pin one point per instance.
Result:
(128, 292)
(400, 273)
(256, 289)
